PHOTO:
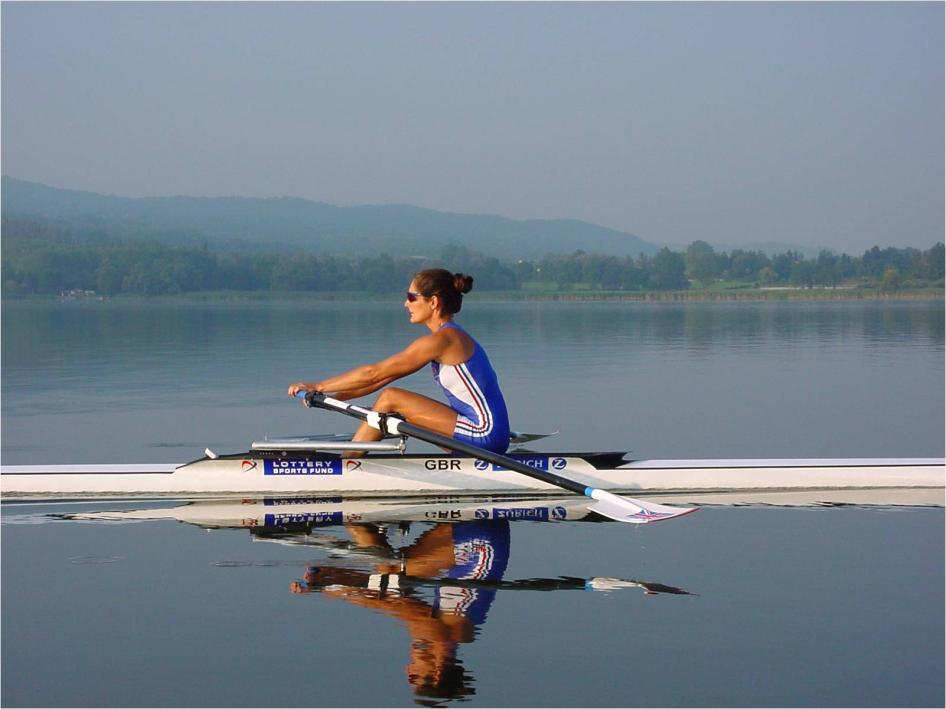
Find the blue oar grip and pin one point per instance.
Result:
(302, 395)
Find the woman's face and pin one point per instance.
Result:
(419, 308)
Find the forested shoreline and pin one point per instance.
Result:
(42, 259)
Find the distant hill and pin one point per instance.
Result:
(287, 223)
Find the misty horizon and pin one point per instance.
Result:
(817, 124)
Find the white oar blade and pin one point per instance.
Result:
(623, 509)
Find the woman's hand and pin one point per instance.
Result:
(302, 386)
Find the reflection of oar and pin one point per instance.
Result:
(608, 504)
(396, 582)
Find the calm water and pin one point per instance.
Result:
(728, 607)
(149, 382)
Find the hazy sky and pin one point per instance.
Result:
(812, 123)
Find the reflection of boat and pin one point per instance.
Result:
(298, 521)
(292, 471)
(292, 520)
(288, 514)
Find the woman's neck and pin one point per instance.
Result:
(438, 321)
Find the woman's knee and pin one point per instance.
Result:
(388, 399)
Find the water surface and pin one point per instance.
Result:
(732, 606)
(728, 607)
(141, 381)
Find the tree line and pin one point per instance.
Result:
(39, 258)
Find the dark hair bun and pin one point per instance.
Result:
(462, 283)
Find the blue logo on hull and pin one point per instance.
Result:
(539, 462)
(539, 514)
(282, 501)
(302, 467)
(314, 518)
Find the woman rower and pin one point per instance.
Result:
(476, 413)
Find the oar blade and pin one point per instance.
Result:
(622, 509)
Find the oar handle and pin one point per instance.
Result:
(315, 398)
(321, 400)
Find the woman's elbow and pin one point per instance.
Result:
(374, 375)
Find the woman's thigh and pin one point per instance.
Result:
(418, 409)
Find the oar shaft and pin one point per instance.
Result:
(395, 424)
(609, 505)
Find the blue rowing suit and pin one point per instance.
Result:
(472, 389)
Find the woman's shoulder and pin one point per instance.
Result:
(442, 339)
(458, 344)
(453, 331)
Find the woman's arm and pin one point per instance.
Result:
(368, 378)
(356, 393)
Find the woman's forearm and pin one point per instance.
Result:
(347, 394)
(365, 377)
(353, 384)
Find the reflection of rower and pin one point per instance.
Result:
(466, 552)
(481, 553)
(463, 565)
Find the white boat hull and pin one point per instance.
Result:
(392, 475)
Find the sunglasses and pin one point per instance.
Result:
(412, 296)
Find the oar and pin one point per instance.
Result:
(622, 509)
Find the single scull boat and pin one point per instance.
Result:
(321, 472)
(314, 466)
